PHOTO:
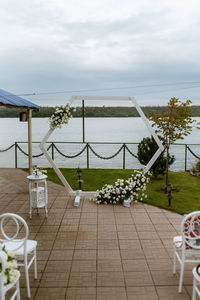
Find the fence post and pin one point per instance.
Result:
(16, 155)
(185, 157)
(52, 151)
(124, 156)
(83, 120)
(87, 148)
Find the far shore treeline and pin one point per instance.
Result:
(92, 111)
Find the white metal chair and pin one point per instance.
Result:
(196, 282)
(15, 284)
(25, 250)
(187, 246)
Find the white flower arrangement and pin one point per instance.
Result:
(36, 171)
(133, 189)
(11, 268)
(60, 116)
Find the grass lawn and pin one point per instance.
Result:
(184, 200)
(93, 179)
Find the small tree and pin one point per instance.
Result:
(146, 149)
(174, 123)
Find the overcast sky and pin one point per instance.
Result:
(146, 48)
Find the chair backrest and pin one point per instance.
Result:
(190, 230)
(17, 235)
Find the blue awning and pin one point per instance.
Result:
(12, 100)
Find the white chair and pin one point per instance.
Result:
(5, 288)
(24, 249)
(187, 246)
(196, 282)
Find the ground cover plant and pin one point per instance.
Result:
(186, 188)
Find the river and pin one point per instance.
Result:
(116, 130)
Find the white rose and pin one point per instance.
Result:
(13, 275)
(10, 252)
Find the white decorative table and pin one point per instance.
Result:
(38, 195)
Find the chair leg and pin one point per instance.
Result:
(181, 277)
(18, 290)
(2, 295)
(193, 290)
(30, 213)
(27, 278)
(174, 264)
(46, 210)
(35, 264)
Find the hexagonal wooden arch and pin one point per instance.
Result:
(105, 98)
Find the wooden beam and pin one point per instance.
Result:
(30, 140)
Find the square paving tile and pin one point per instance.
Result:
(106, 227)
(171, 293)
(142, 293)
(86, 235)
(49, 229)
(45, 245)
(108, 244)
(109, 265)
(146, 235)
(142, 278)
(64, 244)
(111, 293)
(84, 254)
(81, 293)
(66, 235)
(110, 235)
(110, 279)
(50, 293)
(134, 265)
(155, 253)
(86, 244)
(127, 235)
(164, 278)
(152, 244)
(87, 227)
(65, 254)
(54, 279)
(80, 279)
(58, 266)
(160, 264)
(33, 282)
(132, 254)
(108, 254)
(126, 228)
(83, 266)
(129, 244)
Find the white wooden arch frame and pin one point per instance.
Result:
(106, 98)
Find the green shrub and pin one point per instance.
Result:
(146, 149)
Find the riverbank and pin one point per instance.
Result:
(94, 111)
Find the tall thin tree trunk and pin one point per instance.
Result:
(167, 166)
(168, 185)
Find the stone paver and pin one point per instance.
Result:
(96, 252)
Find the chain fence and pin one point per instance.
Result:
(4, 150)
(183, 157)
(192, 152)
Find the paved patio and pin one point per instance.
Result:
(97, 252)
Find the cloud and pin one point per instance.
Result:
(67, 45)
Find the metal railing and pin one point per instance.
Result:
(88, 149)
